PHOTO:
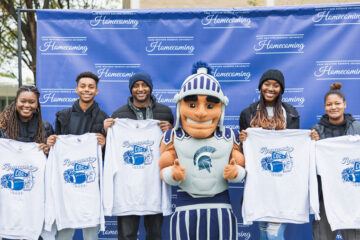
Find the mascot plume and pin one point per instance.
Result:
(201, 157)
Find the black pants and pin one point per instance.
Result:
(321, 229)
(128, 227)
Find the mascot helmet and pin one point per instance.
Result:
(201, 82)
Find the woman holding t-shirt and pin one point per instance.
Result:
(334, 123)
(269, 113)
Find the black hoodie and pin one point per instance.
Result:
(326, 129)
(75, 121)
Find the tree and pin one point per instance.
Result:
(8, 26)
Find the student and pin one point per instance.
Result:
(22, 120)
(334, 123)
(269, 113)
(141, 105)
(83, 117)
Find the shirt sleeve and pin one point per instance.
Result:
(313, 184)
(110, 168)
(166, 199)
(100, 164)
(49, 197)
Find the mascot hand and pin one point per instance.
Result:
(178, 172)
(231, 170)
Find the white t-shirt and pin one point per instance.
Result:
(22, 171)
(74, 177)
(338, 164)
(132, 183)
(281, 184)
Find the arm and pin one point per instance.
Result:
(170, 170)
(234, 171)
(165, 125)
(109, 122)
(101, 139)
(314, 135)
(315, 132)
(237, 155)
(167, 155)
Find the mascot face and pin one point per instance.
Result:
(200, 115)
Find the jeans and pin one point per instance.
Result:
(90, 233)
(128, 227)
(272, 231)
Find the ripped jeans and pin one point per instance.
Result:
(272, 231)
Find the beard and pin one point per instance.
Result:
(147, 98)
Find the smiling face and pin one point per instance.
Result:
(270, 90)
(26, 105)
(200, 115)
(86, 89)
(141, 94)
(334, 107)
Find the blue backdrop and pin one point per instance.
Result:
(312, 45)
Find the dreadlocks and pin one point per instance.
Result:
(9, 121)
(261, 118)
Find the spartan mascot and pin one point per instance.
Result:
(200, 157)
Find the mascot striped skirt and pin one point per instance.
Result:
(203, 218)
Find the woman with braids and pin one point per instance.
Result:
(22, 120)
(334, 123)
(269, 113)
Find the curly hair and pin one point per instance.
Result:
(87, 75)
(9, 121)
(261, 118)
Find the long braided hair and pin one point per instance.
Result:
(9, 121)
(261, 118)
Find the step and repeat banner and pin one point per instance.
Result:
(313, 46)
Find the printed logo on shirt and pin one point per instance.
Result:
(19, 179)
(202, 158)
(82, 171)
(140, 153)
(277, 160)
(351, 174)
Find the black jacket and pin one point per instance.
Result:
(160, 112)
(292, 116)
(47, 126)
(323, 127)
(63, 120)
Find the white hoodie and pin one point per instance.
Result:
(338, 164)
(132, 183)
(281, 183)
(73, 183)
(22, 171)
